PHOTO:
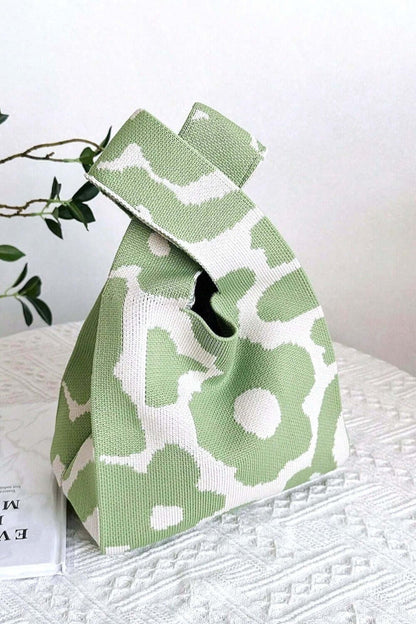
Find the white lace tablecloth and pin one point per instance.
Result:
(339, 550)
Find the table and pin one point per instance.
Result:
(339, 550)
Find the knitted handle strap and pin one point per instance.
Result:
(227, 146)
(186, 186)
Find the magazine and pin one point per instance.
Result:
(32, 507)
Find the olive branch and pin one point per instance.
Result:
(52, 210)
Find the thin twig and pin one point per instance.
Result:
(23, 206)
(18, 210)
(19, 214)
(27, 153)
(48, 157)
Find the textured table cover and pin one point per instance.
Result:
(339, 550)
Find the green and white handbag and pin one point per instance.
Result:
(204, 376)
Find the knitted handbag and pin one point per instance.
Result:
(204, 376)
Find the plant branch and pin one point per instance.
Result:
(8, 295)
(27, 153)
(19, 210)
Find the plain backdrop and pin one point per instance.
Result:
(329, 87)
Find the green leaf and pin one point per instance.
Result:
(21, 276)
(86, 158)
(42, 309)
(83, 212)
(54, 227)
(3, 117)
(10, 253)
(32, 287)
(86, 212)
(26, 313)
(62, 212)
(56, 189)
(86, 192)
(105, 141)
(76, 212)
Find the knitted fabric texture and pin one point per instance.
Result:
(204, 376)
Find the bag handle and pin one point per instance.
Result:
(231, 149)
(170, 182)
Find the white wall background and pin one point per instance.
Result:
(329, 87)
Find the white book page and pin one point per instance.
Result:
(32, 507)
